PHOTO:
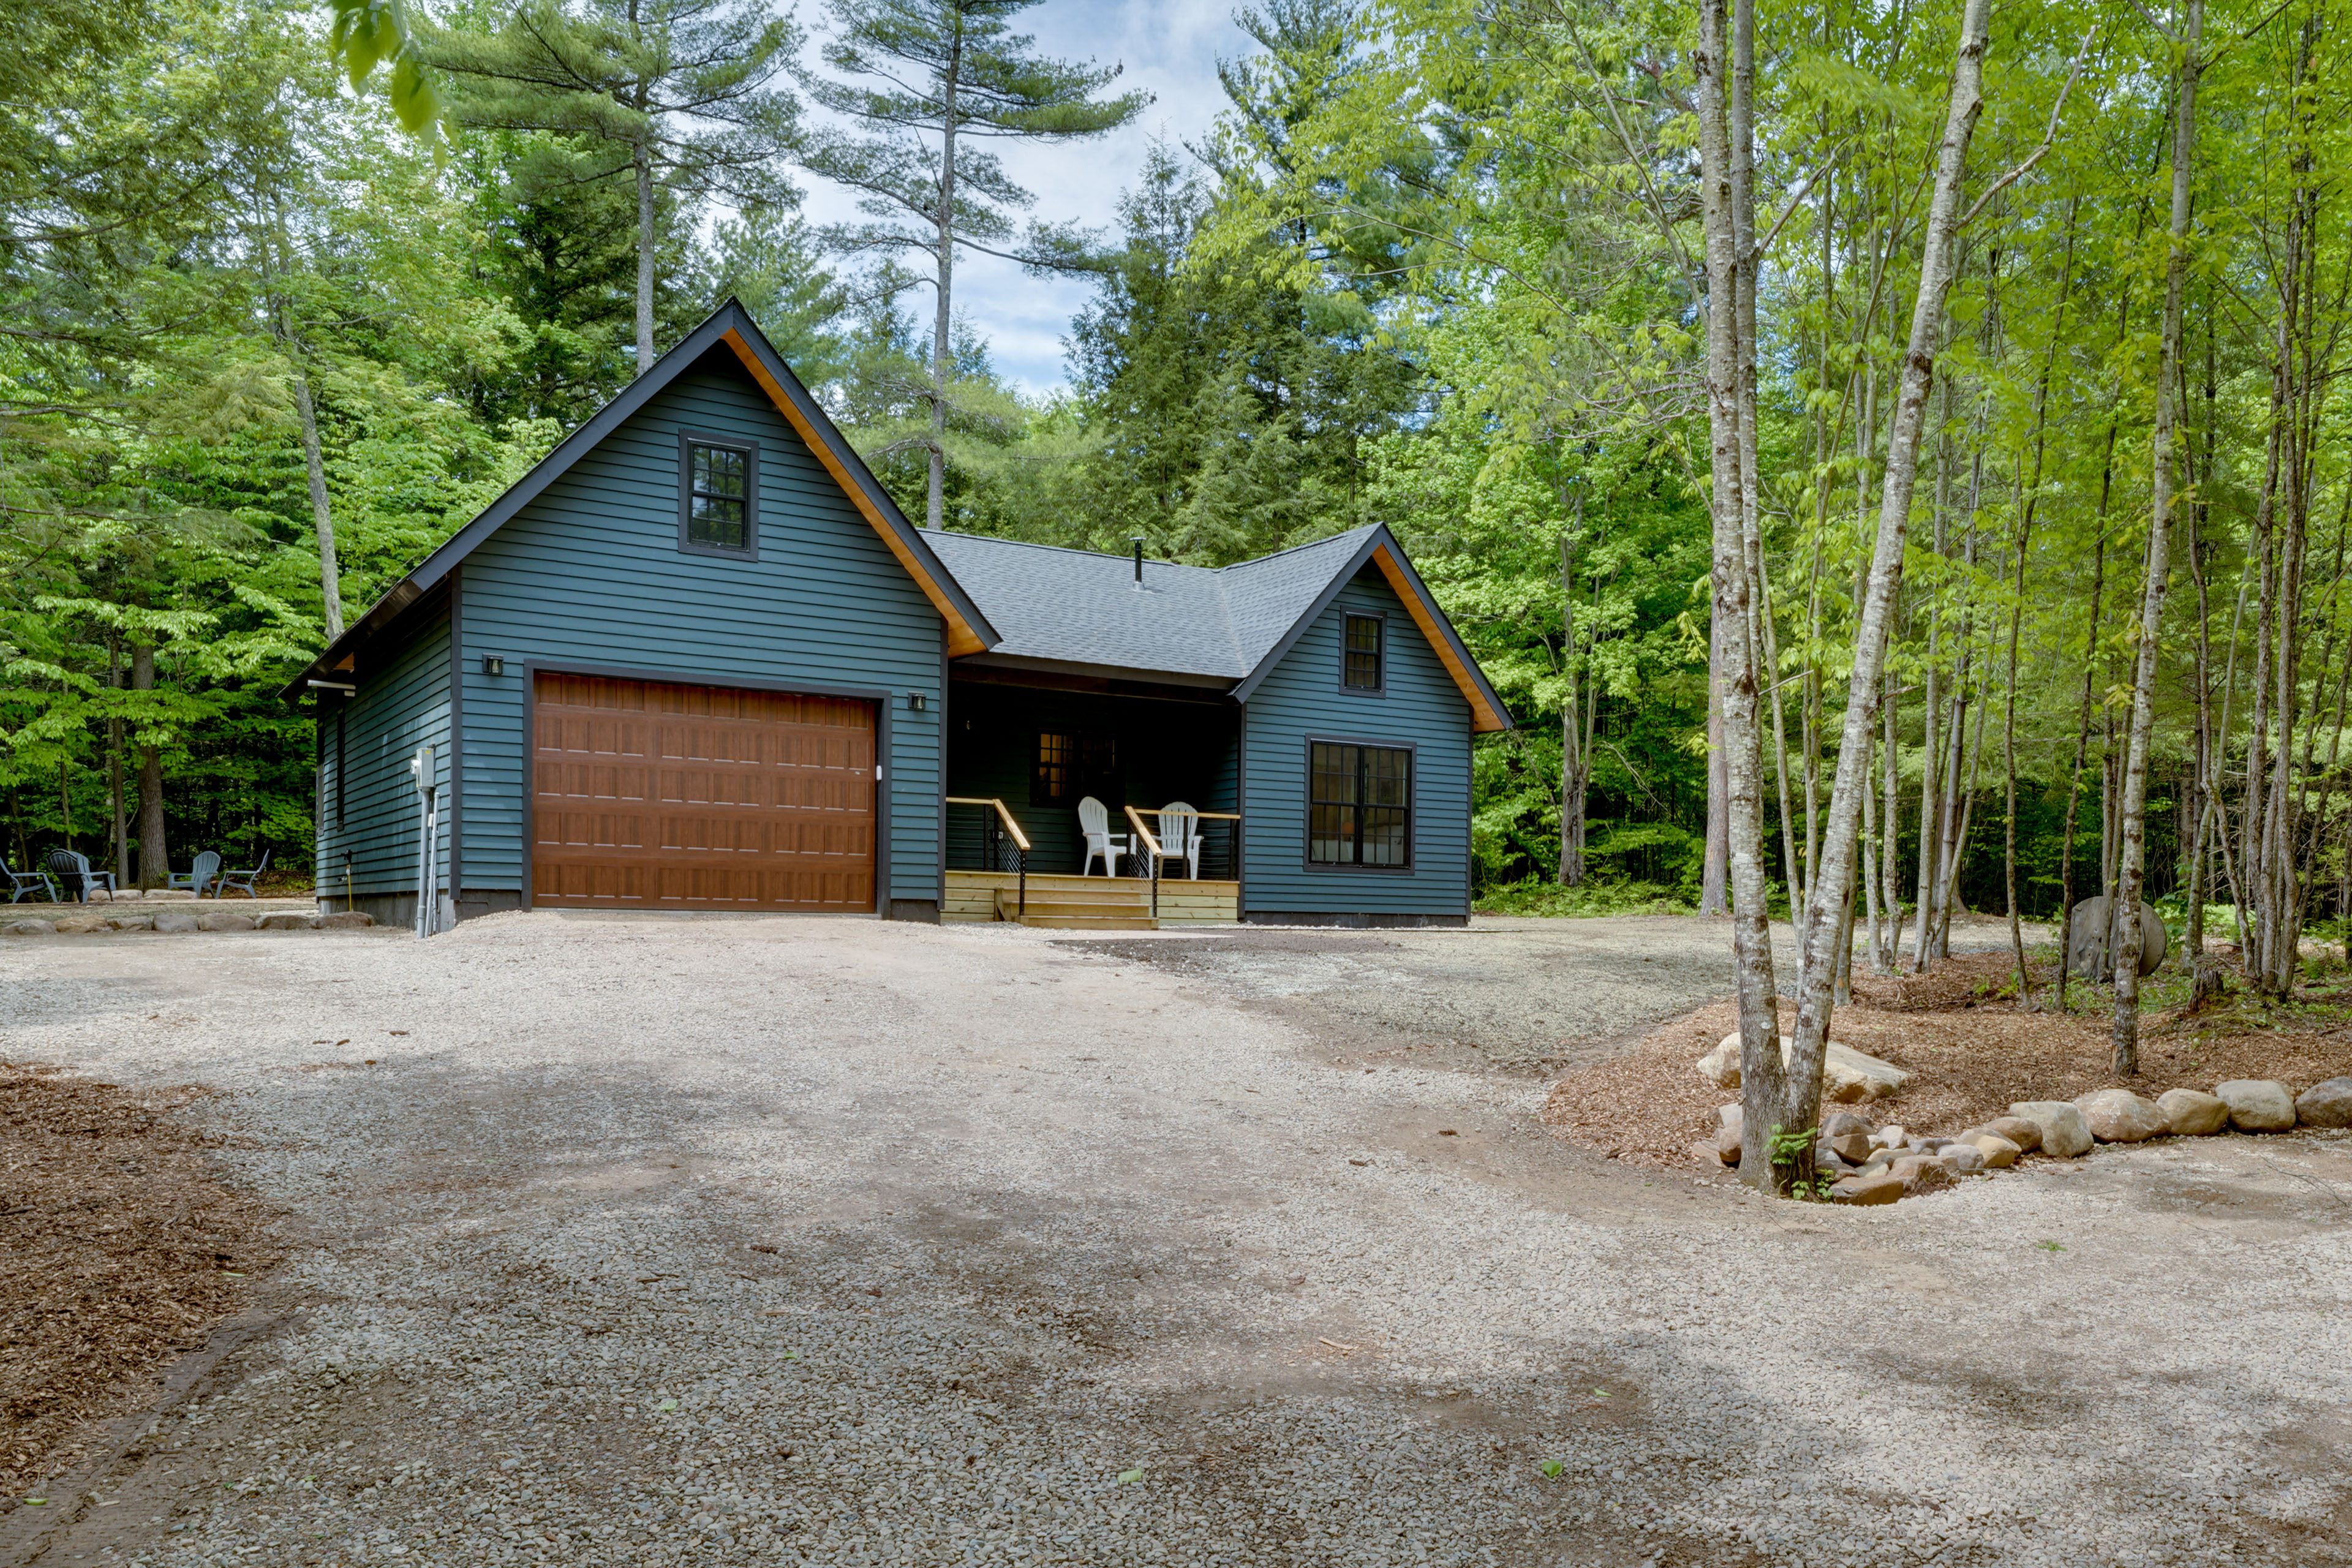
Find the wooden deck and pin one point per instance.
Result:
(1091, 903)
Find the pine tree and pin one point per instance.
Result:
(949, 70)
(674, 92)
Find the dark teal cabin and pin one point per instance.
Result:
(696, 659)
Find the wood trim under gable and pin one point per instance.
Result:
(961, 638)
(1484, 718)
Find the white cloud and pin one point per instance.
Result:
(1168, 49)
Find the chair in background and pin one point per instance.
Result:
(1180, 839)
(34, 881)
(71, 868)
(242, 882)
(1094, 822)
(205, 874)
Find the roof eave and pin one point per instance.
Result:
(1380, 547)
(731, 326)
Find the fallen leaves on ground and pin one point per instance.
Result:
(122, 1250)
(1972, 1055)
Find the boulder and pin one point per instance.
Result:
(2025, 1134)
(2086, 939)
(2063, 1131)
(175, 922)
(1879, 1187)
(76, 925)
(1848, 1077)
(2327, 1104)
(1890, 1136)
(2119, 1116)
(346, 919)
(2193, 1115)
(1851, 1147)
(1964, 1159)
(1999, 1152)
(130, 922)
(29, 928)
(1921, 1172)
(1729, 1123)
(1838, 1123)
(221, 920)
(2258, 1104)
(1703, 1152)
(287, 920)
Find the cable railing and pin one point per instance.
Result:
(1004, 846)
(1149, 842)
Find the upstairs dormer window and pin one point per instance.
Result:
(1362, 667)
(719, 488)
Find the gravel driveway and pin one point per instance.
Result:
(778, 1241)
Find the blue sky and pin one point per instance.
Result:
(1170, 50)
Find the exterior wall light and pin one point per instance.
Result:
(916, 702)
(493, 664)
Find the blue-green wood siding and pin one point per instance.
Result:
(1421, 707)
(589, 574)
(400, 706)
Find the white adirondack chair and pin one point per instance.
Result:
(1180, 837)
(1094, 822)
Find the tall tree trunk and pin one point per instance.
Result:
(322, 517)
(1721, 190)
(1573, 769)
(2160, 543)
(641, 156)
(1715, 868)
(154, 858)
(1799, 1106)
(114, 764)
(1891, 828)
(935, 490)
(2009, 769)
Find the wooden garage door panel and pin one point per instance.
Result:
(651, 794)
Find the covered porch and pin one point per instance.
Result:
(1025, 748)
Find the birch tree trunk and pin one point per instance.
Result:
(1801, 1091)
(2125, 949)
(1721, 189)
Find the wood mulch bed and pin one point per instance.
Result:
(1973, 1056)
(121, 1247)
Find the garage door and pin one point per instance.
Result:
(647, 794)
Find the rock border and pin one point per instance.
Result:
(1870, 1165)
(174, 923)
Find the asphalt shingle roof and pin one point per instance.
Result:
(1081, 607)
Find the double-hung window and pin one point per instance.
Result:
(1361, 663)
(1360, 804)
(717, 501)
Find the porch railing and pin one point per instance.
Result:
(1003, 844)
(1153, 851)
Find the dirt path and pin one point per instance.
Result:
(651, 1241)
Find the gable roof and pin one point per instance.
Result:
(732, 327)
(1227, 623)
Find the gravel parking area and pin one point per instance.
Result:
(706, 1241)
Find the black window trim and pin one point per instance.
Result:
(1412, 810)
(1347, 615)
(688, 440)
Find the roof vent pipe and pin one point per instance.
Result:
(1136, 539)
